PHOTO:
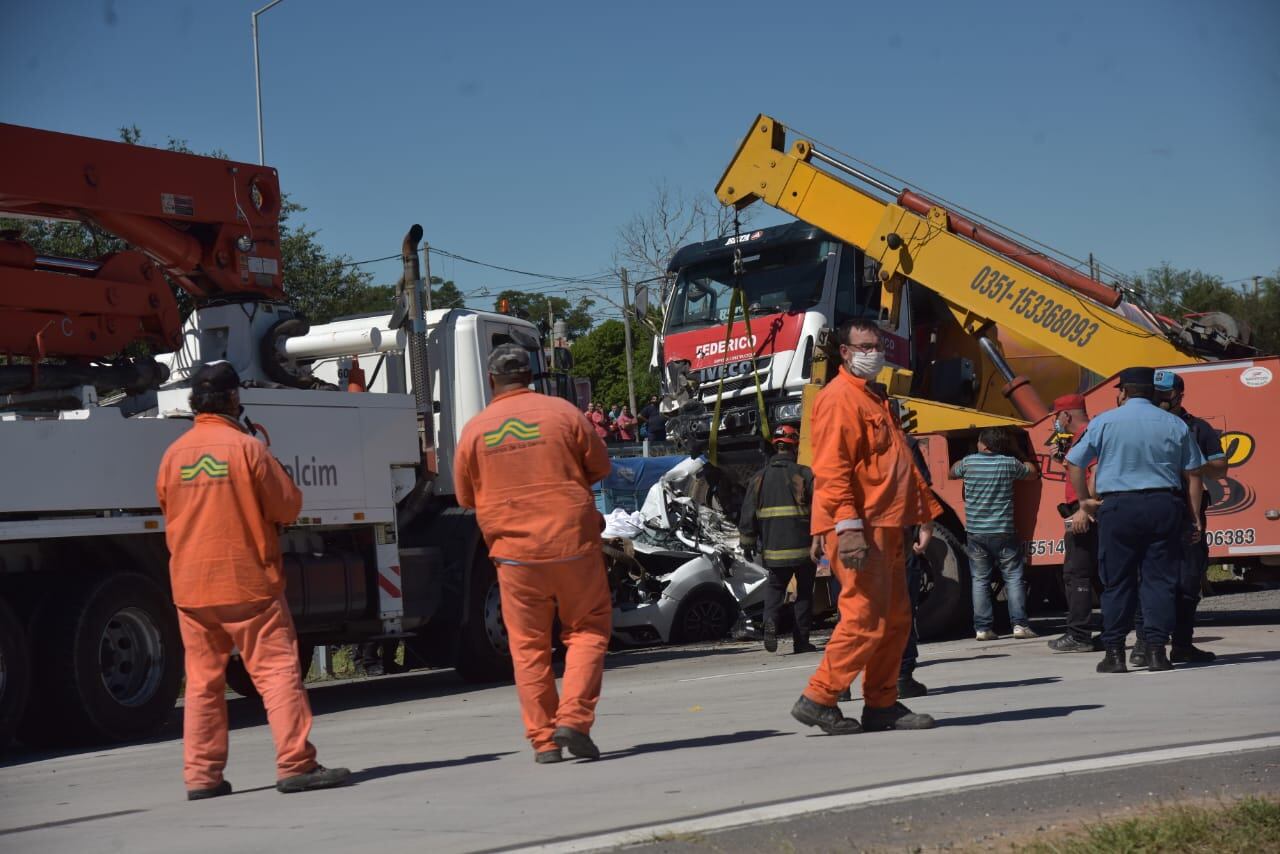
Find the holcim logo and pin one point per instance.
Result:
(311, 473)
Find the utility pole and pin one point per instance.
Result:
(551, 325)
(626, 331)
(257, 78)
(1256, 280)
(1093, 272)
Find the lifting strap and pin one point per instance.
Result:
(739, 297)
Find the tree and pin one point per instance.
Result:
(649, 240)
(599, 355)
(533, 307)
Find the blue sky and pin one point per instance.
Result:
(525, 134)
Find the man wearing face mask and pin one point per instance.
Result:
(1169, 392)
(866, 490)
(1145, 455)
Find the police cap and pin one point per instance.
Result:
(1137, 376)
(1168, 381)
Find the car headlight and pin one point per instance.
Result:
(787, 412)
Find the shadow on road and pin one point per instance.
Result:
(1018, 715)
(924, 662)
(377, 772)
(988, 686)
(632, 657)
(68, 821)
(1233, 658)
(686, 743)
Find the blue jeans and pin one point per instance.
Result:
(986, 551)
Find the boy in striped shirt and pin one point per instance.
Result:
(988, 521)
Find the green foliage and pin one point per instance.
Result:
(1175, 293)
(1251, 825)
(533, 307)
(601, 356)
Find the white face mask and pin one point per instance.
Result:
(865, 366)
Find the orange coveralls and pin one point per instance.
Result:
(526, 464)
(863, 470)
(222, 495)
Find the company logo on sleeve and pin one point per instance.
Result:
(208, 466)
(512, 428)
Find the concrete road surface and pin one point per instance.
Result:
(698, 746)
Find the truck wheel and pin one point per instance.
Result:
(238, 679)
(945, 598)
(483, 654)
(706, 614)
(110, 662)
(15, 673)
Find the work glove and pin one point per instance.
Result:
(852, 549)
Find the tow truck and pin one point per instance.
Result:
(961, 304)
(94, 386)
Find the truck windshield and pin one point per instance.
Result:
(774, 279)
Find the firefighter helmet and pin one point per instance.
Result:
(785, 434)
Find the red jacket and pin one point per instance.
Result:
(526, 464)
(862, 466)
(222, 495)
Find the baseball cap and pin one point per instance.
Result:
(1068, 401)
(507, 359)
(215, 377)
(1137, 376)
(1166, 380)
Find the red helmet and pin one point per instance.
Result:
(785, 434)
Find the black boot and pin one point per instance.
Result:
(1190, 654)
(826, 718)
(1138, 658)
(802, 644)
(319, 777)
(908, 687)
(770, 636)
(576, 742)
(896, 716)
(1157, 659)
(1113, 662)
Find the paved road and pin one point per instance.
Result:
(697, 740)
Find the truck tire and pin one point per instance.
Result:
(238, 678)
(483, 654)
(109, 663)
(707, 613)
(946, 601)
(15, 673)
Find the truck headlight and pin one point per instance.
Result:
(787, 412)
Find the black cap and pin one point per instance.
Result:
(215, 377)
(1137, 376)
(509, 359)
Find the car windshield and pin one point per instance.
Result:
(775, 279)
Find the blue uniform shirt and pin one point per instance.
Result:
(1137, 446)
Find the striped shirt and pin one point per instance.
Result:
(988, 491)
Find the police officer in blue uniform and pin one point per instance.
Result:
(1143, 511)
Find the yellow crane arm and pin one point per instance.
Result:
(980, 285)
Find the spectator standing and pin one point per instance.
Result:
(1141, 507)
(992, 540)
(625, 425)
(655, 429)
(1080, 539)
(599, 421)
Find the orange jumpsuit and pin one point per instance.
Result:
(222, 495)
(863, 470)
(526, 464)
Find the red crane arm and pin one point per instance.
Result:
(212, 225)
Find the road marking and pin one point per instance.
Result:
(811, 666)
(895, 791)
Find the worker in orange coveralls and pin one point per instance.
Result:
(223, 496)
(526, 464)
(866, 490)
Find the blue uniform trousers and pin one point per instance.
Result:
(1140, 543)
